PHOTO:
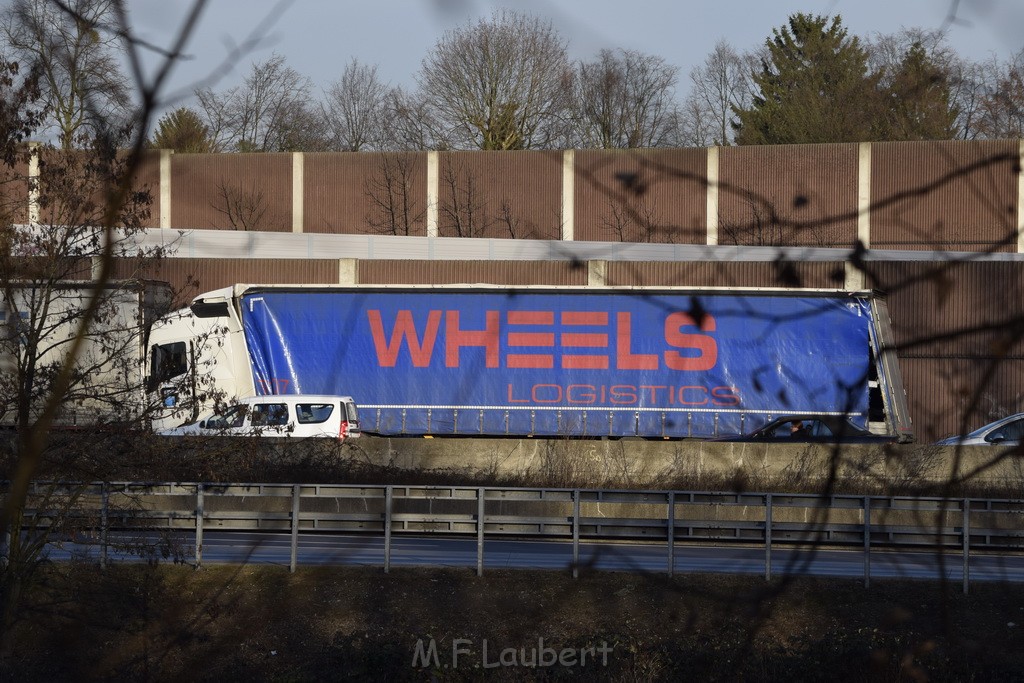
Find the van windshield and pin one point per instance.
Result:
(231, 418)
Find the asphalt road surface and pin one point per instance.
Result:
(322, 549)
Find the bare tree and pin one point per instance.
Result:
(21, 114)
(1002, 107)
(500, 84)
(696, 127)
(517, 227)
(396, 209)
(354, 109)
(244, 208)
(410, 123)
(764, 227)
(92, 207)
(464, 213)
(467, 210)
(768, 221)
(78, 57)
(637, 221)
(625, 99)
(269, 112)
(719, 86)
(971, 82)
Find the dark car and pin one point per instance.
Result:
(812, 429)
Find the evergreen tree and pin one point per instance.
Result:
(917, 101)
(183, 131)
(814, 86)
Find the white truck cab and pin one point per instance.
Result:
(294, 416)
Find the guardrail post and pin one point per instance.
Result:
(768, 537)
(967, 543)
(295, 528)
(576, 534)
(5, 548)
(103, 525)
(867, 541)
(480, 532)
(199, 526)
(388, 496)
(671, 532)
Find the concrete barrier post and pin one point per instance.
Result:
(966, 531)
(576, 534)
(768, 537)
(104, 524)
(711, 198)
(295, 528)
(867, 541)
(480, 532)
(671, 532)
(199, 526)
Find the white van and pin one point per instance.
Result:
(280, 416)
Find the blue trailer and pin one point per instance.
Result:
(484, 360)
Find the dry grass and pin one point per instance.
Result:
(227, 623)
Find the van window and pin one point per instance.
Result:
(353, 414)
(314, 413)
(269, 415)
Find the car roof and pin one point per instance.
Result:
(995, 423)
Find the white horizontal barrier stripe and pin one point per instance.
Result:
(186, 243)
(367, 406)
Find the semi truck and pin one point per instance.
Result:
(486, 360)
(39, 320)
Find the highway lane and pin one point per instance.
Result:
(327, 549)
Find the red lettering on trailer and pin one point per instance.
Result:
(675, 323)
(274, 385)
(542, 361)
(692, 350)
(626, 359)
(649, 396)
(404, 328)
(456, 338)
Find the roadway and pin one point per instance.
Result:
(328, 549)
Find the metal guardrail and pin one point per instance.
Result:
(671, 518)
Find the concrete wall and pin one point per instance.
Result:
(702, 464)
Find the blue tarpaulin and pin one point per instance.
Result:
(564, 363)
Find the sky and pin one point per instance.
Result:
(319, 37)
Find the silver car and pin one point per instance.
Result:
(1007, 431)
